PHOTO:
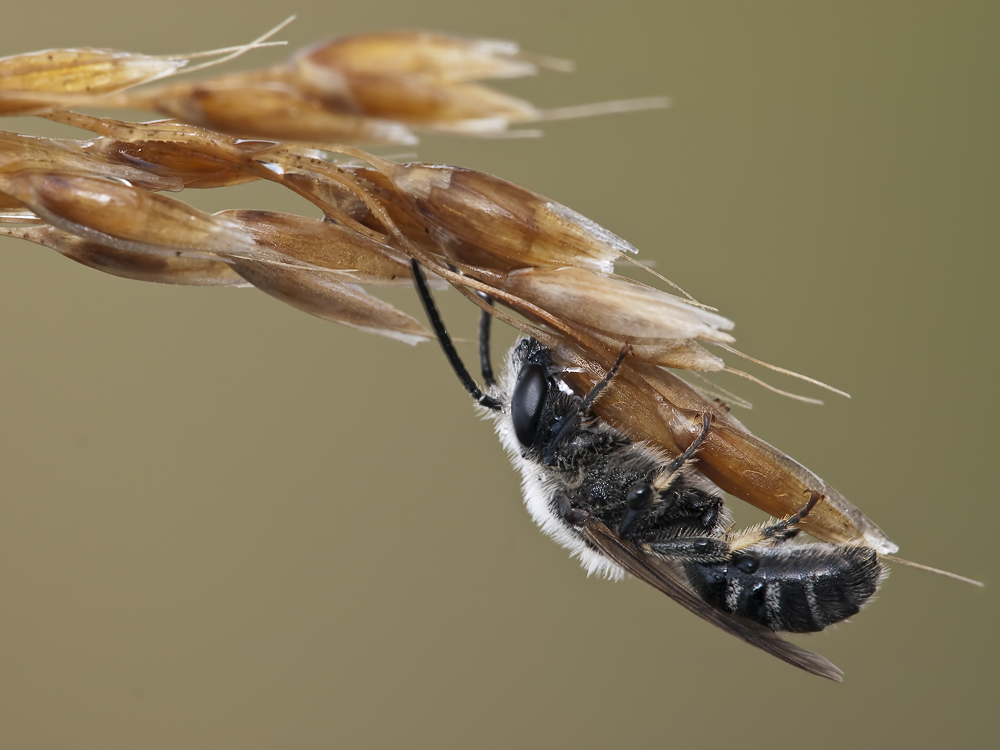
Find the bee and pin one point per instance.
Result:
(624, 507)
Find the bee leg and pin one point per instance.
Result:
(573, 516)
(600, 385)
(702, 550)
(641, 496)
(638, 500)
(572, 421)
(688, 454)
(782, 529)
(776, 532)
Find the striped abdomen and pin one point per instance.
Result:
(792, 589)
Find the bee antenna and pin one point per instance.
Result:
(929, 569)
(446, 343)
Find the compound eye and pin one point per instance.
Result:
(526, 402)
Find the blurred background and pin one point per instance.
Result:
(228, 524)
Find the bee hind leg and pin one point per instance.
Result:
(774, 533)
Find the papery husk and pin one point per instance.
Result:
(347, 203)
(515, 225)
(338, 260)
(617, 308)
(417, 78)
(121, 216)
(357, 258)
(9, 202)
(82, 71)
(20, 152)
(431, 105)
(681, 354)
(185, 154)
(427, 54)
(163, 267)
(249, 106)
(326, 296)
(40, 82)
(409, 224)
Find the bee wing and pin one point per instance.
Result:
(657, 574)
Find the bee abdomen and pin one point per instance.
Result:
(800, 590)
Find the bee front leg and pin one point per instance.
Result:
(572, 421)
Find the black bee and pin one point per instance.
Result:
(625, 507)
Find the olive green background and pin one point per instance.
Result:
(225, 524)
